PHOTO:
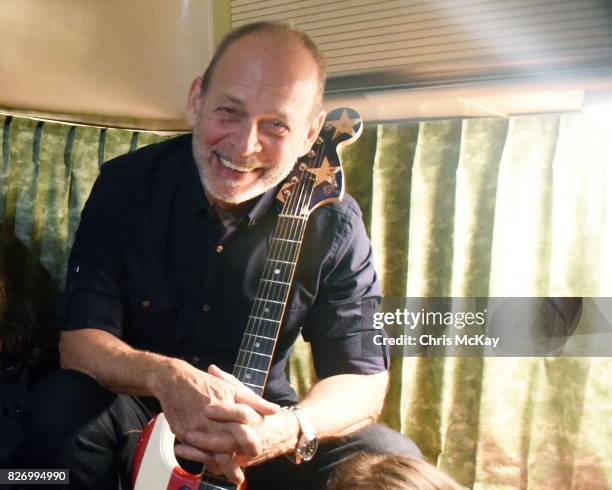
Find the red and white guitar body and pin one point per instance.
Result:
(316, 179)
(155, 453)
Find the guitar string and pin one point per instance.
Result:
(262, 292)
(295, 230)
(278, 251)
(264, 287)
(291, 229)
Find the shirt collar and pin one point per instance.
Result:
(263, 204)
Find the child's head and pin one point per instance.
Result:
(365, 471)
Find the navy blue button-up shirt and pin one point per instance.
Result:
(153, 265)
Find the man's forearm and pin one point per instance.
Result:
(342, 404)
(111, 362)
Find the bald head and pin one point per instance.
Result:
(280, 36)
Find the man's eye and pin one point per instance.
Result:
(226, 110)
(278, 126)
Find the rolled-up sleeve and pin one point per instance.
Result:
(94, 296)
(340, 323)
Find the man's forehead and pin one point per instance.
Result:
(250, 70)
(272, 52)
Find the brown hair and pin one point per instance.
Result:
(28, 331)
(366, 471)
(283, 31)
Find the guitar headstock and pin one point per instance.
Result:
(320, 170)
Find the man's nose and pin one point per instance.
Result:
(247, 139)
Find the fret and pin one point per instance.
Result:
(258, 342)
(270, 300)
(281, 261)
(294, 217)
(247, 367)
(264, 319)
(252, 385)
(276, 282)
(262, 329)
(259, 362)
(256, 377)
(278, 270)
(259, 336)
(286, 248)
(286, 240)
(256, 353)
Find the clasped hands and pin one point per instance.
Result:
(222, 423)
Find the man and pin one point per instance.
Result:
(164, 269)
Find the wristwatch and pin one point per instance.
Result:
(308, 441)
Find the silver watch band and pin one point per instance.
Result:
(308, 442)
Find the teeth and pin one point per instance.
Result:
(228, 164)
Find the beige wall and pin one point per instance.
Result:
(130, 62)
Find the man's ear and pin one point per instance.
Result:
(313, 131)
(193, 101)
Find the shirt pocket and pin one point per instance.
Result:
(156, 322)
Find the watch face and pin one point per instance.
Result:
(310, 448)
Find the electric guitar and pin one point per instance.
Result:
(315, 180)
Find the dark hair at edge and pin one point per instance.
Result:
(274, 28)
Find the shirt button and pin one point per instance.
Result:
(205, 308)
(146, 303)
(219, 249)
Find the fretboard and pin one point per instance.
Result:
(263, 326)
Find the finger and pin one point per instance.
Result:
(216, 371)
(230, 468)
(248, 397)
(233, 437)
(244, 394)
(191, 453)
(214, 442)
(235, 412)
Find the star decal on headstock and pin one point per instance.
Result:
(344, 125)
(324, 173)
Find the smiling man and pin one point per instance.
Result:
(164, 270)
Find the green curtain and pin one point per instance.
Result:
(472, 207)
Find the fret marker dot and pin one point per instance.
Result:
(256, 344)
(276, 271)
(247, 375)
(267, 310)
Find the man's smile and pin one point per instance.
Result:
(232, 166)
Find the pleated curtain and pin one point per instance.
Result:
(465, 208)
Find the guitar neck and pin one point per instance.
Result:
(264, 322)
